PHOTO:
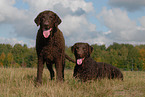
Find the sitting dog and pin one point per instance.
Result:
(87, 69)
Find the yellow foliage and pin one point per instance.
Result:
(1, 64)
(98, 59)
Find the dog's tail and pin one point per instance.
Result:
(70, 59)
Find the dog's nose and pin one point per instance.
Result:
(80, 53)
(46, 24)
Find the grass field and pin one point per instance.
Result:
(20, 82)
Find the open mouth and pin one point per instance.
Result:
(46, 32)
(80, 61)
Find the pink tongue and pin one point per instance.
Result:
(79, 61)
(47, 33)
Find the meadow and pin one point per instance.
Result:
(20, 82)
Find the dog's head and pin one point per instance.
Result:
(81, 51)
(47, 20)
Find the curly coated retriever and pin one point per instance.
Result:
(87, 69)
(50, 45)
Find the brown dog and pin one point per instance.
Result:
(87, 69)
(50, 45)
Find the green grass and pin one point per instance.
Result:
(20, 82)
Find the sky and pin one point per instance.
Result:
(92, 21)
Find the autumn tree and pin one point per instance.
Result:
(142, 57)
(2, 59)
(10, 59)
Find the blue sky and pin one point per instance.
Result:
(91, 21)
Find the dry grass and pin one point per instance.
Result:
(20, 82)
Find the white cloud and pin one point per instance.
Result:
(20, 20)
(72, 12)
(76, 25)
(77, 28)
(40, 5)
(121, 26)
(142, 21)
(130, 5)
(9, 13)
(11, 41)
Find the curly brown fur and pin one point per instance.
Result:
(87, 69)
(50, 45)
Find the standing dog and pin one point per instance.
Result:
(87, 69)
(50, 45)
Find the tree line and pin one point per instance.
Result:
(123, 56)
(17, 56)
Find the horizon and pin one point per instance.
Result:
(72, 45)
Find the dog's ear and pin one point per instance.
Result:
(37, 19)
(73, 48)
(57, 20)
(90, 49)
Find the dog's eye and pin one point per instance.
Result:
(50, 17)
(43, 19)
(84, 49)
(77, 48)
